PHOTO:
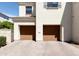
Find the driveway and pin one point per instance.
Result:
(39, 48)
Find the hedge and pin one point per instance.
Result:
(6, 24)
(2, 41)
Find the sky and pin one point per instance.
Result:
(9, 8)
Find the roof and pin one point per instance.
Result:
(26, 3)
(4, 16)
(23, 19)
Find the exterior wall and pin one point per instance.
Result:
(39, 31)
(8, 34)
(34, 9)
(16, 32)
(46, 16)
(75, 24)
(66, 22)
(49, 16)
(60, 16)
(22, 8)
(17, 28)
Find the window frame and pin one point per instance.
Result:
(59, 6)
(31, 10)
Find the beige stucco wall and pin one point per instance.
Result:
(8, 34)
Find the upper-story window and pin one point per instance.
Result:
(28, 9)
(51, 5)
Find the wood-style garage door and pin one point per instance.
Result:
(27, 32)
(51, 32)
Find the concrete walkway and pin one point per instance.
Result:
(39, 48)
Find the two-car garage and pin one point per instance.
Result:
(50, 33)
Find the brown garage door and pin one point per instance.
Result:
(27, 32)
(51, 32)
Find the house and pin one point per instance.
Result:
(46, 21)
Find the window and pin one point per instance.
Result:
(51, 5)
(28, 9)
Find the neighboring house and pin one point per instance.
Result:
(6, 32)
(48, 21)
(4, 17)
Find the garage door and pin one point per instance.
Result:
(51, 32)
(27, 32)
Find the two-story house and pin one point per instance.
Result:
(46, 21)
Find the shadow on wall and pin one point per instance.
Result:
(66, 22)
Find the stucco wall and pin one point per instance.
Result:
(49, 16)
(22, 8)
(66, 21)
(60, 16)
(75, 32)
(8, 34)
(17, 28)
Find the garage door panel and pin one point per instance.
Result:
(27, 32)
(51, 32)
(49, 38)
(26, 37)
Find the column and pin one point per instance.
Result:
(62, 33)
(16, 32)
(39, 32)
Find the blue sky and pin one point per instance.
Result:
(9, 8)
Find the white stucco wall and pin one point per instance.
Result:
(49, 16)
(8, 34)
(17, 28)
(67, 22)
(22, 8)
(75, 32)
(60, 16)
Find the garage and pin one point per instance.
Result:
(27, 33)
(51, 32)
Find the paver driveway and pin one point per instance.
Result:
(39, 48)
